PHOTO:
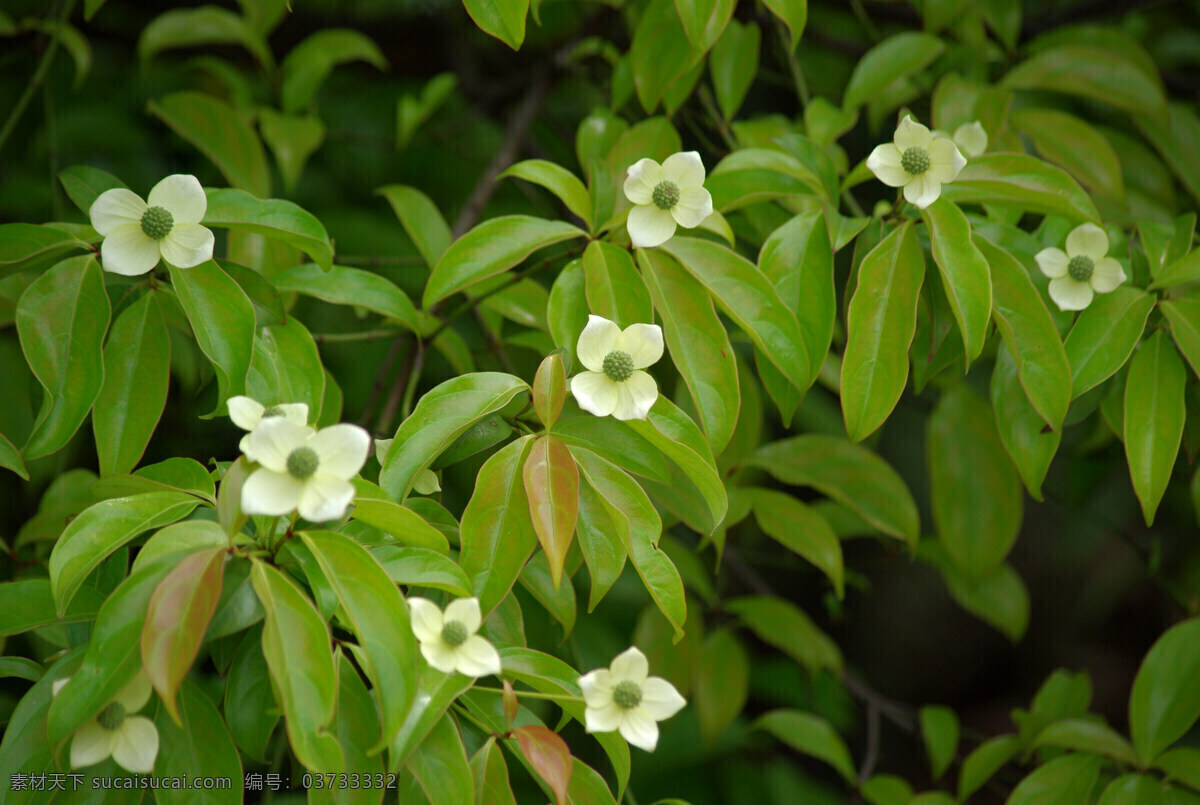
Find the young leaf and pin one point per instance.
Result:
(549, 756)
(964, 271)
(552, 486)
(1154, 416)
(550, 389)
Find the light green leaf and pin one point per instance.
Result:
(1182, 764)
(1133, 789)
(733, 64)
(782, 624)
(274, 218)
(1111, 76)
(196, 27)
(1067, 780)
(186, 537)
(616, 441)
(422, 567)
(660, 54)
(1019, 181)
(25, 246)
(939, 732)
(292, 139)
(1154, 417)
(503, 19)
(615, 290)
(986, 759)
(491, 775)
(1022, 430)
(27, 604)
(412, 111)
(1179, 272)
(1074, 145)
(1086, 735)
(350, 286)
(896, 57)
(801, 530)
(373, 507)
(601, 542)
(435, 693)
(964, 271)
(794, 14)
(1183, 314)
(1105, 334)
(811, 735)
(559, 181)
(219, 132)
(84, 184)
(886, 789)
(1165, 702)
(309, 63)
(420, 219)
(287, 368)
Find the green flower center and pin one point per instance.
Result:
(915, 160)
(302, 463)
(666, 195)
(157, 223)
(274, 410)
(112, 716)
(1080, 268)
(454, 633)
(627, 695)
(618, 365)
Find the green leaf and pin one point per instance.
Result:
(1179, 272)
(811, 735)
(10, 458)
(247, 689)
(753, 175)
(1030, 335)
(852, 475)
(413, 111)
(748, 298)
(1182, 764)
(268, 304)
(440, 763)
(615, 290)
(445, 412)
(1019, 181)
(722, 684)
(1154, 416)
(84, 184)
(287, 368)
(376, 612)
(551, 482)
(61, 319)
(491, 775)
(422, 567)
(939, 731)
(998, 597)
(1067, 780)
(178, 615)
(491, 248)
(103, 528)
(350, 286)
(550, 389)
(435, 693)
(309, 63)
(27, 604)
(794, 14)
(274, 218)
(601, 542)
(1105, 334)
(199, 747)
(698, 344)
(24, 246)
(357, 729)
(292, 139)
(136, 375)
(660, 54)
(559, 181)
(1177, 143)
(895, 58)
(886, 789)
(782, 624)
(1111, 76)
(733, 64)
(503, 19)
(704, 21)
(880, 324)
(1165, 702)
(222, 318)
(616, 441)
(421, 220)
(1183, 314)
(1133, 789)
(798, 261)
(1029, 443)
(186, 537)
(402, 524)
(964, 271)
(975, 491)
(296, 645)
(195, 27)
(1074, 145)
(1086, 735)
(20, 668)
(801, 530)
(219, 132)
(986, 759)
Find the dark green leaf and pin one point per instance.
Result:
(802, 530)
(199, 747)
(964, 271)
(350, 286)
(421, 220)
(84, 184)
(733, 64)
(1021, 182)
(1105, 334)
(195, 27)
(1154, 416)
(896, 57)
(1029, 443)
(1108, 75)
(615, 290)
(287, 368)
(811, 735)
(782, 624)
(217, 130)
(274, 218)
(309, 63)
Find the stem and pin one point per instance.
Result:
(793, 65)
(718, 120)
(867, 25)
(529, 694)
(39, 76)
(366, 335)
(378, 260)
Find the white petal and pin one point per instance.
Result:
(595, 393)
(630, 666)
(1089, 240)
(440, 656)
(643, 343)
(1106, 275)
(945, 161)
(381, 448)
(127, 251)
(114, 208)
(597, 687)
(477, 657)
(426, 483)
(685, 169)
(635, 397)
(187, 245)
(324, 498)
(598, 339)
(136, 693)
(294, 412)
(271, 493)
(644, 175)
(91, 745)
(341, 450)
(694, 205)
(58, 685)
(274, 440)
(884, 162)
(971, 138)
(660, 700)
(135, 745)
(245, 412)
(182, 196)
(911, 134)
(639, 729)
(426, 619)
(603, 719)
(922, 191)
(649, 226)
(465, 611)
(1052, 262)
(244, 444)
(1069, 294)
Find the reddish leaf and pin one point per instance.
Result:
(550, 389)
(549, 756)
(552, 484)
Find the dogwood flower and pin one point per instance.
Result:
(666, 195)
(916, 161)
(448, 641)
(303, 469)
(970, 138)
(132, 741)
(622, 697)
(137, 234)
(614, 383)
(1082, 269)
(247, 413)
(426, 482)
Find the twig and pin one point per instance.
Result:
(793, 65)
(39, 75)
(377, 387)
(365, 335)
(378, 260)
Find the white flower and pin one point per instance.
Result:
(132, 741)
(448, 642)
(136, 234)
(303, 469)
(666, 195)
(916, 161)
(622, 697)
(614, 383)
(1082, 269)
(247, 413)
(426, 482)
